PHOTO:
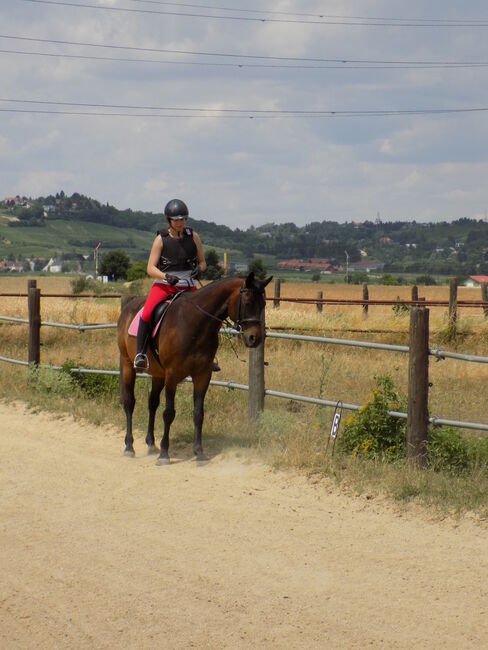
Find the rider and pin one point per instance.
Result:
(175, 261)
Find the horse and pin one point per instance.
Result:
(185, 346)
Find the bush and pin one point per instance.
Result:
(373, 433)
(78, 285)
(136, 271)
(92, 384)
(427, 280)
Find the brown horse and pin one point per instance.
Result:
(186, 346)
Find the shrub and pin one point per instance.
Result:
(373, 433)
(137, 271)
(80, 284)
(94, 385)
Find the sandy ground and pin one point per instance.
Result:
(102, 551)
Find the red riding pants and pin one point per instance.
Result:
(158, 292)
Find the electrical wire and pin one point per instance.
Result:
(179, 111)
(359, 22)
(282, 66)
(342, 61)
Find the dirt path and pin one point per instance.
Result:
(102, 551)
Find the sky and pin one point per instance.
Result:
(252, 113)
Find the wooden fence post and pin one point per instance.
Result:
(365, 297)
(320, 306)
(34, 307)
(452, 307)
(415, 293)
(484, 296)
(256, 380)
(277, 293)
(418, 386)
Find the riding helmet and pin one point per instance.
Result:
(176, 209)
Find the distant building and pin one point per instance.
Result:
(366, 266)
(476, 280)
(52, 266)
(311, 264)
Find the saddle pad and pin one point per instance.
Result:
(134, 326)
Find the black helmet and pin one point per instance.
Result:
(176, 209)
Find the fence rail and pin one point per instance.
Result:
(417, 413)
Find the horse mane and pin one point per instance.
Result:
(214, 284)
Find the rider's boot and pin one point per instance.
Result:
(141, 362)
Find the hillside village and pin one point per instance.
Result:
(358, 247)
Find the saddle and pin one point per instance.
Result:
(157, 315)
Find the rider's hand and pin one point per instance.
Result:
(171, 279)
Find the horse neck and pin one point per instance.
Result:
(215, 298)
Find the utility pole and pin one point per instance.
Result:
(347, 267)
(95, 257)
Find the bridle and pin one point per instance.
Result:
(239, 321)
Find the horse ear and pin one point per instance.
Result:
(250, 280)
(267, 281)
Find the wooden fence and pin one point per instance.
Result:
(418, 372)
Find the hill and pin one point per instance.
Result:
(66, 226)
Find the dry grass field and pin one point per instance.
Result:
(330, 371)
(290, 433)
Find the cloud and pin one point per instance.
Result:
(233, 169)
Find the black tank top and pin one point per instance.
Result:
(178, 254)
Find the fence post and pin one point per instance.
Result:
(418, 386)
(365, 297)
(320, 306)
(484, 296)
(34, 308)
(452, 307)
(415, 293)
(256, 379)
(277, 293)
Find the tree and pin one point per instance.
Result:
(115, 265)
(137, 271)
(257, 265)
(214, 271)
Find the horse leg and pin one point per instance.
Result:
(153, 403)
(200, 386)
(168, 417)
(127, 397)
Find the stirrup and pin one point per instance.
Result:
(141, 362)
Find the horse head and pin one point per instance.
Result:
(247, 307)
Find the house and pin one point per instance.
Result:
(52, 266)
(476, 280)
(311, 264)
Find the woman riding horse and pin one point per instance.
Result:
(175, 261)
(185, 347)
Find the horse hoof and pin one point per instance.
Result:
(162, 461)
(130, 453)
(201, 459)
(152, 449)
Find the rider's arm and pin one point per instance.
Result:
(200, 256)
(154, 257)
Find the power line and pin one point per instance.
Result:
(282, 66)
(236, 112)
(310, 15)
(261, 57)
(358, 22)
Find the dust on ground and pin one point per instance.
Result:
(103, 551)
